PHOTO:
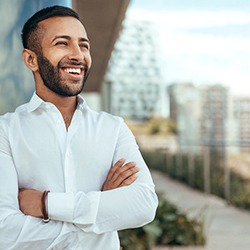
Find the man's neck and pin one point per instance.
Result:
(67, 109)
(66, 105)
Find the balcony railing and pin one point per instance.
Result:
(217, 167)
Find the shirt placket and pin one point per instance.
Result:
(69, 162)
(64, 142)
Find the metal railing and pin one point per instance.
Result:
(181, 163)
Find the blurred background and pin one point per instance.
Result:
(178, 73)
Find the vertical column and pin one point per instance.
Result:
(227, 175)
(191, 166)
(206, 152)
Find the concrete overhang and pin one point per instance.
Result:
(102, 20)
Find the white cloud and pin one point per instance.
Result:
(203, 56)
(192, 19)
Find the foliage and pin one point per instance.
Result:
(240, 192)
(159, 125)
(170, 227)
(153, 126)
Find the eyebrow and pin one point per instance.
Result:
(82, 39)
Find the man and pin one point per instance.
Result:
(70, 177)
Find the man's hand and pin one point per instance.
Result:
(30, 202)
(120, 175)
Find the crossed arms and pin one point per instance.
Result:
(120, 175)
(126, 199)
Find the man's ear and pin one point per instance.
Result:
(30, 59)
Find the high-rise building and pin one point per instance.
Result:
(242, 116)
(133, 81)
(186, 110)
(204, 115)
(214, 114)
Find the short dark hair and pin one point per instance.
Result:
(29, 32)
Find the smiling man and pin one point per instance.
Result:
(70, 177)
(73, 69)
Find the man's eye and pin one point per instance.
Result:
(84, 46)
(61, 43)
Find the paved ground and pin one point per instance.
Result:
(178, 248)
(226, 227)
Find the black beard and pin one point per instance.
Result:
(52, 79)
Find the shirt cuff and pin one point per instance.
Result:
(61, 206)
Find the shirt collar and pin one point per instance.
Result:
(81, 103)
(36, 102)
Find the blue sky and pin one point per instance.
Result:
(203, 42)
(191, 4)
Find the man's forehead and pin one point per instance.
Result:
(65, 25)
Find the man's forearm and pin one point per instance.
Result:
(31, 203)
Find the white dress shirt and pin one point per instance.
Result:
(38, 152)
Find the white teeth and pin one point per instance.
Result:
(73, 70)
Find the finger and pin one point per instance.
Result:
(113, 169)
(125, 175)
(125, 178)
(120, 171)
(128, 181)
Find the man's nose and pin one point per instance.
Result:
(76, 54)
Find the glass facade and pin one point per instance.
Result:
(134, 77)
(16, 81)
